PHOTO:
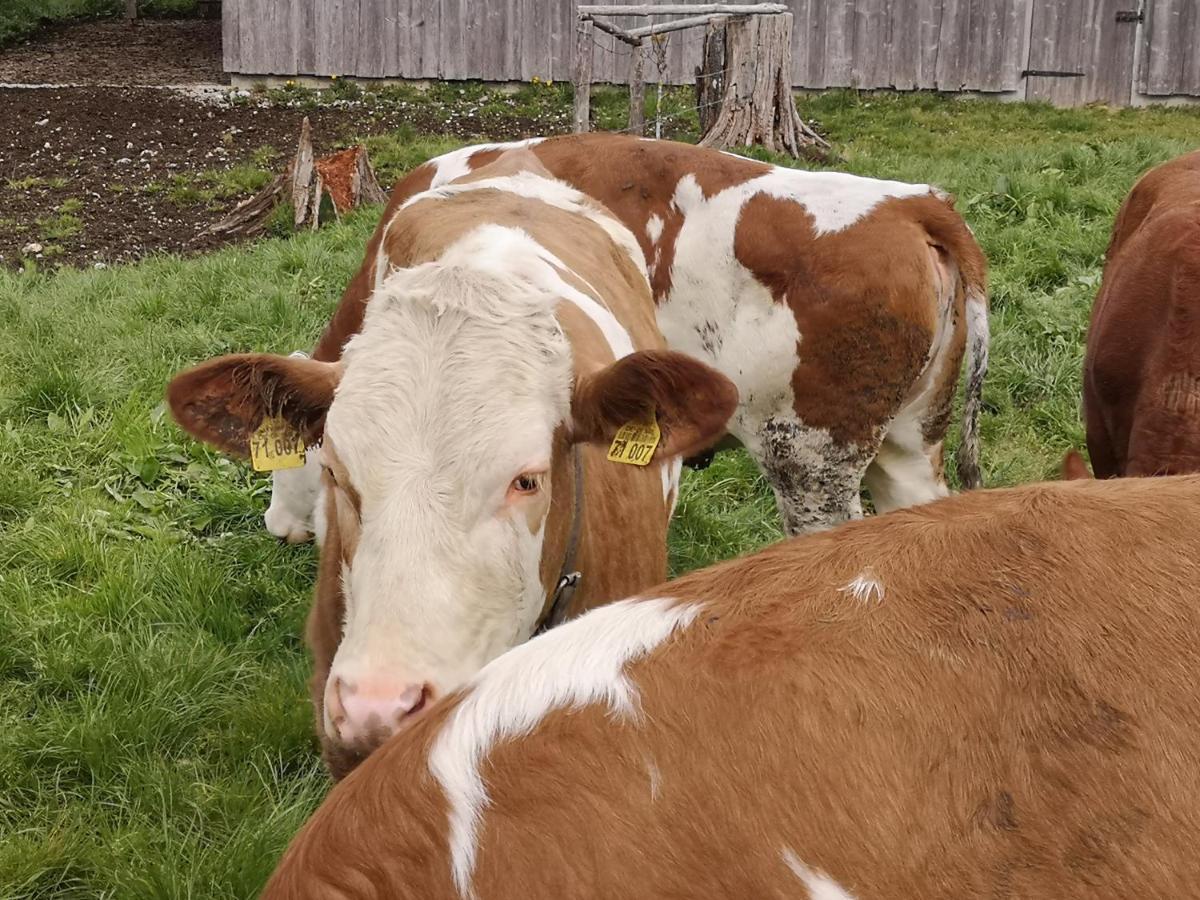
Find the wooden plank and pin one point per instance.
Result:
(1170, 63)
(950, 63)
(304, 50)
(1056, 46)
(582, 76)
(452, 52)
(867, 43)
(431, 19)
(904, 38)
(369, 33)
(231, 48)
(801, 39)
(928, 35)
(678, 9)
(839, 44)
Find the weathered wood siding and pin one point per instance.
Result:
(1170, 61)
(945, 45)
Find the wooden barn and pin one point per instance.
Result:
(1068, 52)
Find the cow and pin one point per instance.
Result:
(465, 437)
(840, 306)
(1141, 371)
(992, 695)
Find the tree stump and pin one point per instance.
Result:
(756, 104)
(346, 177)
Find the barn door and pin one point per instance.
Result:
(1081, 51)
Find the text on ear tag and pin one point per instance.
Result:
(276, 445)
(635, 442)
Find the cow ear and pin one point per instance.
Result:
(1073, 467)
(691, 402)
(223, 401)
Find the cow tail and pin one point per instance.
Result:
(967, 460)
(947, 229)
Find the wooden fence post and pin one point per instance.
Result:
(637, 89)
(582, 76)
(130, 10)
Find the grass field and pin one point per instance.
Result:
(155, 736)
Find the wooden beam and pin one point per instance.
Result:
(677, 25)
(680, 9)
(581, 75)
(637, 91)
(619, 33)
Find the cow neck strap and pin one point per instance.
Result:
(568, 578)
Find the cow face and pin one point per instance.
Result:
(442, 425)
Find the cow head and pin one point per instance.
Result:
(444, 426)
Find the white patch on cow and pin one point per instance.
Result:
(295, 496)
(455, 385)
(718, 312)
(820, 886)
(865, 587)
(575, 665)
(654, 228)
(655, 778)
(457, 163)
(293, 511)
(552, 192)
(835, 200)
(671, 471)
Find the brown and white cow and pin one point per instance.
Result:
(465, 430)
(840, 307)
(989, 696)
(1141, 374)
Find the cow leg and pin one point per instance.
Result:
(816, 480)
(905, 473)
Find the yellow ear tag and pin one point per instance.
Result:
(276, 445)
(635, 442)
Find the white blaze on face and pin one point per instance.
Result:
(453, 389)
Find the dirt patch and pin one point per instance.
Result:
(107, 174)
(147, 52)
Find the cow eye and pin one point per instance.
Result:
(526, 483)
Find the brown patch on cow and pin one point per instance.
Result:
(690, 401)
(1021, 772)
(1141, 390)
(224, 400)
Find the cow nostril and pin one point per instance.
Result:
(413, 699)
(334, 706)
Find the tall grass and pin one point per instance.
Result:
(155, 738)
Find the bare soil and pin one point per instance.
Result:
(148, 52)
(91, 174)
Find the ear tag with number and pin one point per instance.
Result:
(276, 445)
(635, 442)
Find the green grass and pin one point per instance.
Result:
(21, 18)
(155, 738)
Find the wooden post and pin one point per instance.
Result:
(130, 10)
(582, 75)
(710, 76)
(637, 90)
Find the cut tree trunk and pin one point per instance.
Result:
(710, 76)
(346, 177)
(756, 105)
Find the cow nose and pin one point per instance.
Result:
(369, 711)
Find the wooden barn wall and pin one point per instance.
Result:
(1170, 51)
(946, 45)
